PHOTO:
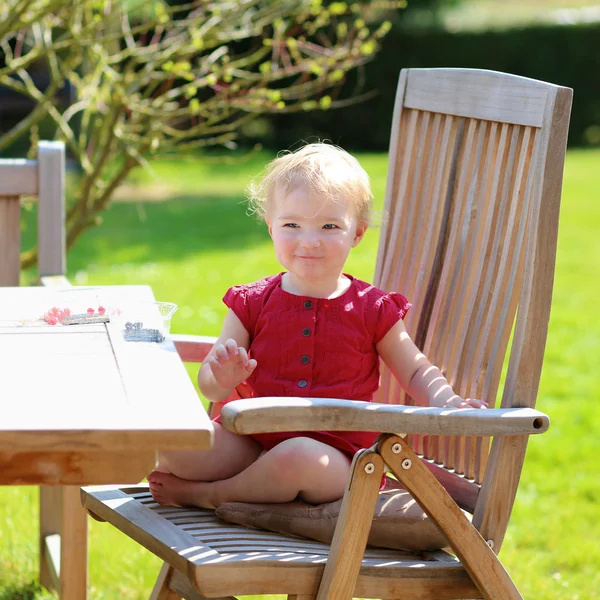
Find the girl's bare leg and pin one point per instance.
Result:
(229, 455)
(299, 467)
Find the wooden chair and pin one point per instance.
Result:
(63, 522)
(472, 202)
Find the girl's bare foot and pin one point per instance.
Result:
(171, 490)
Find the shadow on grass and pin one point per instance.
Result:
(169, 230)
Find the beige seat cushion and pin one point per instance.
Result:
(399, 522)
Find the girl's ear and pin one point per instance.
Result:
(269, 226)
(360, 232)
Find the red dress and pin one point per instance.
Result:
(316, 347)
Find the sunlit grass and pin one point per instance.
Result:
(191, 248)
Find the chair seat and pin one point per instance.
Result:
(209, 552)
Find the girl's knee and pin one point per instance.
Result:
(304, 457)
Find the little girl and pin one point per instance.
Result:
(311, 331)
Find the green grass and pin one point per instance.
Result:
(191, 248)
(501, 14)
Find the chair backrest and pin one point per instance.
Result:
(43, 178)
(472, 202)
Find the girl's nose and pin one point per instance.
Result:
(310, 241)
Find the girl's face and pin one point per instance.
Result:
(313, 238)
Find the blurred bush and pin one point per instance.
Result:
(567, 55)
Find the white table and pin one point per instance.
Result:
(79, 405)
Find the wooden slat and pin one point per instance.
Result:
(478, 558)
(161, 589)
(396, 147)
(183, 587)
(10, 240)
(231, 571)
(477, 94)
(461, 454)
(73, 549)
(75, 467)
(18, 177)
(63, 542)
(458, 300)
(522, 381)
(352, 529)
(52, 256)
(532, 322)
(468, 316)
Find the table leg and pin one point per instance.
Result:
(63, 542)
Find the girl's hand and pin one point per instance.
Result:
(230, 364)
(458, 402)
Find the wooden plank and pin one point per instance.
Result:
(161, 589)
(125, 384)
(474, 553)
(183, 586)
(522, 381)
(231, 572)
(170, 380)
(10, 240)
(76, 466)
(18, 177)
(352, 529)
(52, 255)
(259, 415)
(63, 542)
(415, 582)
(157, 534)
(73, 546)
(396, 148)
(477, 94)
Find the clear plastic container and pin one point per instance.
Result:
(145, 321)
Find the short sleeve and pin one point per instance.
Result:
(390, 309)
(237, 299)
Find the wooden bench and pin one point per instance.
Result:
(63, 522)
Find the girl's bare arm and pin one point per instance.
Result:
(227, 364)
(421, 380)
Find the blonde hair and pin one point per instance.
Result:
(326, 170)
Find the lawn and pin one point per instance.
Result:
(196, 243)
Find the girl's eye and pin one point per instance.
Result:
(292, 225)
(330, 226)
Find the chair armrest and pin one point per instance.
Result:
(271, 414)
(193, 348)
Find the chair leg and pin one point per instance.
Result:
(352, 529)
(63, 542)
(161, 589)
(484, 567)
